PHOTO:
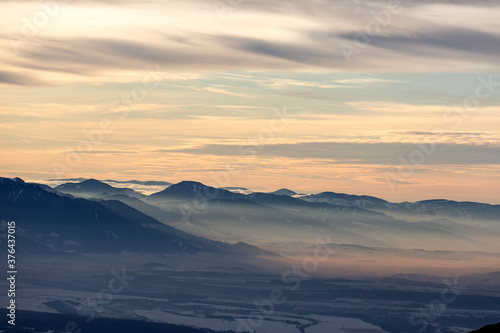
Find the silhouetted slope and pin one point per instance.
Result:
(495, 328)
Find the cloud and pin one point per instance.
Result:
(365, 153)
(218, 90)
(455, 39)
(296, 36)
(18, 79)
(109, 152)
(441, 133)
(293, 52)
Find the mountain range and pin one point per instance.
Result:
(91, 214)
(51, 222)
(284, 216)
(91, 188)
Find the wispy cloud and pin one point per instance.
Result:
(113, 46)
(367, 153)
(18, 79)
(218, 90)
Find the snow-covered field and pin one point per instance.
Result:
(337, 324)
(276, 324)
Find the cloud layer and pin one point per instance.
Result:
(99, 39)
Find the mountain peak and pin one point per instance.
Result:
(186, 188)
(86, 185)
(93, 188)
(18, 180)
(284, 191)
(94, 182)
(191, 189)
(190, 183)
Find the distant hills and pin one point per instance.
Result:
(284, 215)
(94, 214)
(284, 191)
(194, 190)
(49, 222)
(362, 201)
(426, 208)
(137, 182)
(92, 188)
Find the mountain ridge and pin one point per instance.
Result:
(92, 188)
(76, 225)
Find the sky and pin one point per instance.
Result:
(396, 99)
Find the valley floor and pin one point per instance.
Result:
(224, 294)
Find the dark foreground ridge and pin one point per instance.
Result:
(495, 328)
